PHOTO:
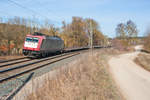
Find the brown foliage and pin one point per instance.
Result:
(121, 44)
(12, 34)
(77, 33)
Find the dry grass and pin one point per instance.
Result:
(9, 57)
(143, 60)
(87, 78)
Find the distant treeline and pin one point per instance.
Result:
(147, 41)
(75, 34)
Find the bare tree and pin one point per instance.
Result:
(131, 29)
(120, 31)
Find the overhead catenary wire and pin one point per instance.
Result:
(5, 13)
(50, 11)
(19, 5)
(29, 9)
(4, 16)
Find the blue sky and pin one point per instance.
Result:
(108, 13)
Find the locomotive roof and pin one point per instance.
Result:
(53, 37)
(46, 36)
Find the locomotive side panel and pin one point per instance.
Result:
(61, 45)
(51, 45)
(47, 46)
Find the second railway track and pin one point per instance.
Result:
(14, 62)
(11, 60)
(7, 73)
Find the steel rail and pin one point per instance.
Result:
(13, 63)
(13, 59)
(35, 62)
(27, 71)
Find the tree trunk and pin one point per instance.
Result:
(8, 47)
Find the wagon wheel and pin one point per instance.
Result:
(43, 54)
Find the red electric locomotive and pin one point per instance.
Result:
(41, 45)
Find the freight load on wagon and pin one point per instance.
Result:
(41, 45)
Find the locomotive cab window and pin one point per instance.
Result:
(35, 40)
(29, 39)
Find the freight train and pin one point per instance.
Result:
(40, 45)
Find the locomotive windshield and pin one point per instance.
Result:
(30, 39)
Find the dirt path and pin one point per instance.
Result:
(134, 81)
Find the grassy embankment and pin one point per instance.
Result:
(9, 57)
(87, 78)
(143, 60)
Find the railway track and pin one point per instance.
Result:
(26, 59)
(14, 62)
(11, 60)
(10, 72)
